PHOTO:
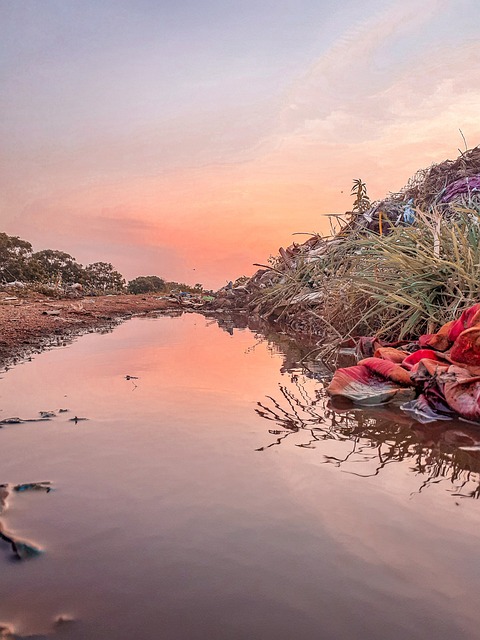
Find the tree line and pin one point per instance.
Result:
(57, 269)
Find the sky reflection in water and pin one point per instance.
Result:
(219, 496)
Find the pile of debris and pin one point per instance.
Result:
(441, 186)
(441, 369)
(189, 301)
(294, 289)
(246, 293)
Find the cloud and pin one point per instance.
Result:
(348, 78)
(375, 107)
(225, 187)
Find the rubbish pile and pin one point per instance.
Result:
(440, 186)
(441, 370)
(331, 286)
(189, 301)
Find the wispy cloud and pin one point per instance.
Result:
(350, 77)
(225, 181)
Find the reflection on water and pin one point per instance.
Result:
(213, 493)
(438, 452)
(375, 437)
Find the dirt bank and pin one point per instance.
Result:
(33, 322)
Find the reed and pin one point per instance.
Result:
(417, 277)
(395, 285)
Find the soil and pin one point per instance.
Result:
(33, 322)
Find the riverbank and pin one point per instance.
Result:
(395, 268)
(33, 322)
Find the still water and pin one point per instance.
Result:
(216, 496)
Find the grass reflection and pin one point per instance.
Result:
(367, 440)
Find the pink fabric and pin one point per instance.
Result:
(461, 186)
(447, 384)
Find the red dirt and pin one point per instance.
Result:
(34, 322)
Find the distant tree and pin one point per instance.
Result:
(175, 287)
(146, 284)
(101, 276)
(15, 255)
(57, 266)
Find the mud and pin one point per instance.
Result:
(30, 324)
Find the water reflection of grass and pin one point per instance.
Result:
(446, 453)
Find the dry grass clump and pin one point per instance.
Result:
(399, 285)
(418, 277)
(399, 268)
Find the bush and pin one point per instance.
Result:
(146, 284)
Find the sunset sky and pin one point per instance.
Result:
(191, 138)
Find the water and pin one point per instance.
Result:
(217, 497)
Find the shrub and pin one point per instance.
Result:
(146, 284)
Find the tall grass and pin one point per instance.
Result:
(418, 277)
(410, 280)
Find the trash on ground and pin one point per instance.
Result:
(34, 486)
(47, 414)
(17, 420)
(389, 266)
(443, 370)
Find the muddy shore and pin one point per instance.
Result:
(32, 323)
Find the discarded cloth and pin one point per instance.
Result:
(443, 372)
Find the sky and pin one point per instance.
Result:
(192, 138)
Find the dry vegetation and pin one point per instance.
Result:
(406, 264)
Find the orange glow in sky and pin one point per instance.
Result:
(191, 141)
